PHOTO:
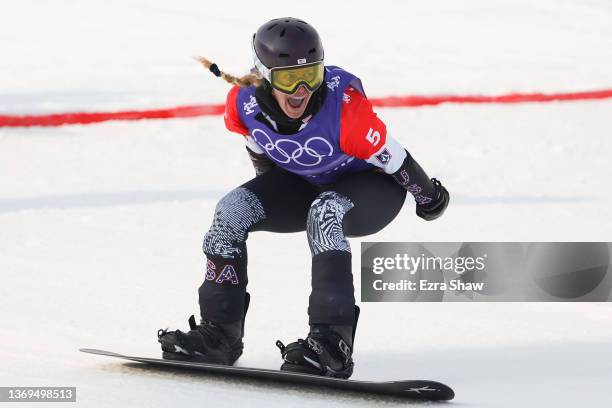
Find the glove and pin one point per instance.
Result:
(435, 208)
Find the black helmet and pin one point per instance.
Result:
(285, 42)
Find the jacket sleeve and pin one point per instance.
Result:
(231, 116)
(364, 135)
(261, 162)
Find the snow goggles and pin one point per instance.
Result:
(288, 79)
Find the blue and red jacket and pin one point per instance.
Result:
(344, 136)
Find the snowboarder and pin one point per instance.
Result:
(324, 164)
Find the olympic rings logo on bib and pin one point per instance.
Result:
(304, 155)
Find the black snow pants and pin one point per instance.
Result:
(357, 204)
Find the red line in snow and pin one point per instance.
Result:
(397, 101)
(83, 118)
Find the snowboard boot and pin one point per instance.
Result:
(207, 342)
(326, 351)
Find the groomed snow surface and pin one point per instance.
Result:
(101, 225)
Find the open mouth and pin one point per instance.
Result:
(296, 102)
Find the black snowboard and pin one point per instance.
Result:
(416, 389)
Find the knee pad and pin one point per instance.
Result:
(324, 224)
(235, 214)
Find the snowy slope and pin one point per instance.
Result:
(101, 226)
